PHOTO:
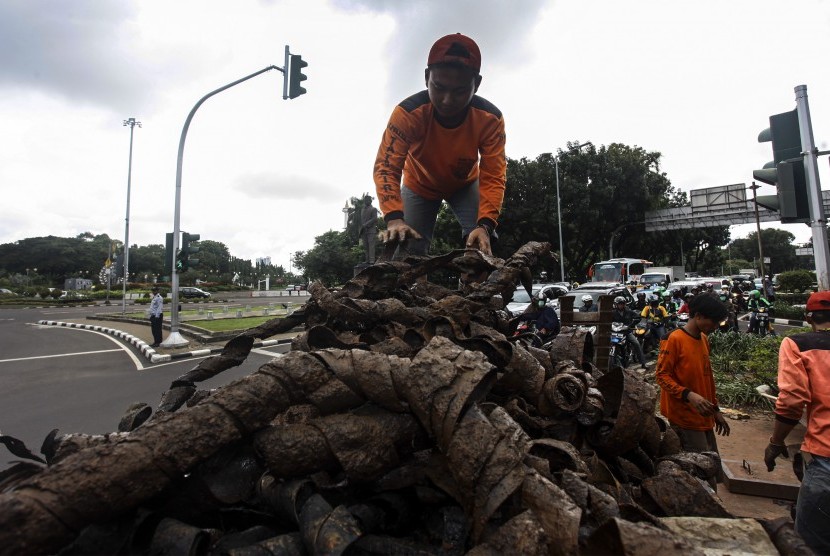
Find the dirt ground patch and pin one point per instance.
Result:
(746, 443)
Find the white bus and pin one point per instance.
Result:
(622, 270)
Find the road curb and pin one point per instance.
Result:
(148, 352)
(779, 321)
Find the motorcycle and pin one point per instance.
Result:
(620, 353)
(645, 334)
(761, 318)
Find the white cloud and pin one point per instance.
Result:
(265, 176)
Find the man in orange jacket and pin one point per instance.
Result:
(804, 382)
(443, 144)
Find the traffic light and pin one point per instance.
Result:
(786, 171)
(296, 77)
(168, 252)
(185, 260)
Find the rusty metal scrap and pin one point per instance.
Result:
(403, 420)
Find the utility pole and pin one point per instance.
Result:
(754, 189)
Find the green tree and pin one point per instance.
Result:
(605, 193)
(331, 260)
(149, 260)
(778, 246)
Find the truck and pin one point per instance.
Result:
(751, 272)
(660, 276)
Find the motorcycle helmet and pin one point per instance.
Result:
(587, 299)
(689, 296)
(541, 303)
(619, 299)
(641, 294)
(724, 296)
(755, 294)
(653, 298)
(666, 293)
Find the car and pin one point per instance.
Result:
(4, 291)
(193, 292)
(521, 300)
(596, 289)
(685, 286)
(759, 284)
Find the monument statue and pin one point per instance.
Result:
(369, 228)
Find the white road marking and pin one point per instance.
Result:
(136, 361)
(58, 355)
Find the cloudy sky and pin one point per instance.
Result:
(696, 81)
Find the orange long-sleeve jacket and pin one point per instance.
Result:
(682, 366)
(435, 161)
(804, 382)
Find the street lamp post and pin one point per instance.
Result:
(132, 123)
(559, 210)
(175, 339)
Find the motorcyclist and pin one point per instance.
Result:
(622, 313)
(684, 308)
(677, 298)
(668, 302)
(641, 302)
(656, 315)
(671, 309)
(738, 298)
(726, 298)
(588, 305)
(547, 321)
(756, 301)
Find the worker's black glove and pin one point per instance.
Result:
(772, 452)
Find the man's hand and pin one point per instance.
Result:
(701, 404)
(397, 230)
(721, 426)
(772, 452)
(479, 239)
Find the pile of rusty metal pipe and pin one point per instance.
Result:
(403, 420)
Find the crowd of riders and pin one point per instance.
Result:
(653, 315)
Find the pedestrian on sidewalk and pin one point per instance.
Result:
(684, 373)
(156, 316)
(804, 382)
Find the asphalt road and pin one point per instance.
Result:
(80, 381)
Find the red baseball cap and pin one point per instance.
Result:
(819, 301)
(457, 49)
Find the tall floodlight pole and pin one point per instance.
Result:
(559, 210)
(132, 123)
(818, 220)
(175, 339)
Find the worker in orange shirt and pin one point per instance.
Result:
(443, 144)
(684, 373)
(804, 383)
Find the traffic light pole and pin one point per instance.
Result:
(821, 249)
(175, 339)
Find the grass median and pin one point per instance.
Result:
(225, 325)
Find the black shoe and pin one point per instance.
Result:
(154, 345)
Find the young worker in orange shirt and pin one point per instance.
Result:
(443, 144)
(804, 382)
(684, 373)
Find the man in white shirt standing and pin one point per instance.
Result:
(156, 316)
